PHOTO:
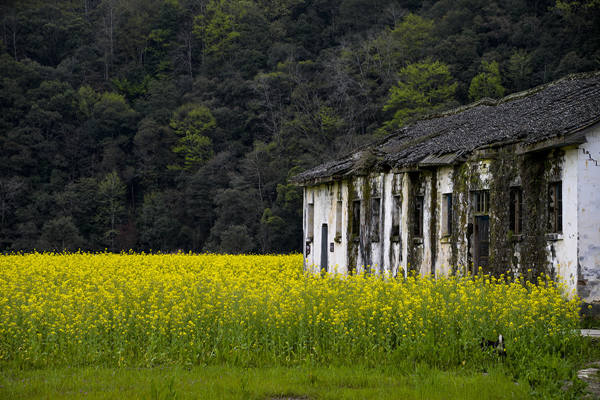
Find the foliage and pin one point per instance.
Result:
(185, 99)
(146, 310)
(111, 192)
(487, 83)
(422, 88)
(413, 37)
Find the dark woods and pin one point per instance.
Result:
(175, 124)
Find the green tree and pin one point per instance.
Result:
(216, 28)
(60, 234)
(158, 222)
(519, 70)
(111, 199)
(235, 239)
(412, 38)
(193, 124)
(487, 83)
(571, 6)
(422, 88)
(112, 116)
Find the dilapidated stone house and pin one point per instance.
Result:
(512, 184)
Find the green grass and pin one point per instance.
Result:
(544, 378)
(223, 382)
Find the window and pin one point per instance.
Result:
(516, 210)
(356, 218)
(375, 219)
(396, 212)
(555, 207)
(418, 217)
(338, 221)
(310, 226)
(447, 214)
(481, 201)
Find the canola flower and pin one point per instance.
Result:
(143, 309)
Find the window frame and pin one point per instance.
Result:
(515, 214)
(447, 214)
(396, 218)
(555, 208)
(375, 219)
(418, 215)
(310, 222)
(480, 202)
(356, 225)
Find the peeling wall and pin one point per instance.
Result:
(562, 248)
(443, 265)
(588, 192)
(573, 254)
(324, 199)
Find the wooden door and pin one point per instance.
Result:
(481, 234)
(324, 248)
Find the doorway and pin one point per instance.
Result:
(481, 243)
(324, 252)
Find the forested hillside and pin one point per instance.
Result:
(175, 124)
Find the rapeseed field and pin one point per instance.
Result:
(184, 309)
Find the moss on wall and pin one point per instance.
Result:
(532, 171)
(352, 248)
(433, 220)
(395, 257)
(359, 242)
(504, 171)
(460, 215)
(414, 251)
(534, 180)
(365, 232)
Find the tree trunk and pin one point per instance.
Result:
(189, 54)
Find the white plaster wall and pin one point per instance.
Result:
(377, 190)
(391, 249)
(358, 195)
(425, 267)
(575, 254)
(444, 249)
(404, 223)
(325, 199)
(588, 218)
(386, 226)
(562, 253)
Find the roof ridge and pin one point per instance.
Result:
(553, 109)
(488, 101)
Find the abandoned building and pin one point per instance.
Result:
(505, 185)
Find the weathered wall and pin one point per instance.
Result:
(324, 198)
(443, 265)
(573, 254)
(562, 248)
(588, 220)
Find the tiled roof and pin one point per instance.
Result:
(554, 110)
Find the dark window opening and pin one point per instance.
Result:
(396, 212)
(310, 217)
(481, 201)
(356, 218)
(375, 219)
(447, 214)
(516, 211)
(338, 221)
(418, 217)
(555, 207)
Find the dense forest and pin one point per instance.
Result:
(176, 124)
